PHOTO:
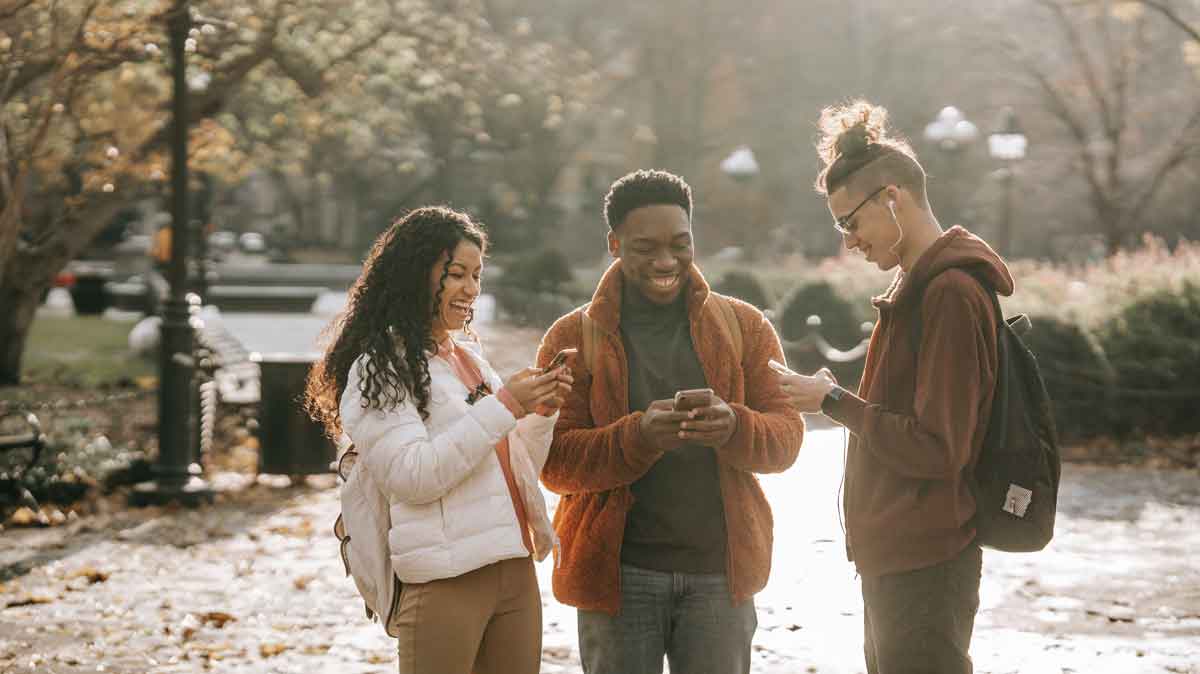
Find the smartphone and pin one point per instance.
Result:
(561, 358)
(693, 398)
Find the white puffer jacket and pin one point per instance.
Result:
(450, 508)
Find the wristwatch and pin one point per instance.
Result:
(835, 394)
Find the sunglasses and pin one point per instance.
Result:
(843, 224)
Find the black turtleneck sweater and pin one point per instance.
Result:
(677, 522)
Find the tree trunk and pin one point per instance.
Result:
(20, 305)
(29, 272)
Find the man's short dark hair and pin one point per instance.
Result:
(647, 187)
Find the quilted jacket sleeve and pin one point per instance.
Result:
(410, 465)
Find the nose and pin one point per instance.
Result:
(664, 261)
(851, 241)
(474, 286)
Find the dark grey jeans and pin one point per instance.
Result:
(921, 621)
(687, 617)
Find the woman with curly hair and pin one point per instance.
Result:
(455, 451)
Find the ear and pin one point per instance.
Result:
(893, 195)
(614, 244)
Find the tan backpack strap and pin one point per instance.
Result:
(590, 335)
(728, 316)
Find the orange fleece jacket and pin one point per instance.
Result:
(598, 450)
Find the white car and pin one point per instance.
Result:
(252, 242)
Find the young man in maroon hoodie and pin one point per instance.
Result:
(919, 418)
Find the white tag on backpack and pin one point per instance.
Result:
(1017, 500)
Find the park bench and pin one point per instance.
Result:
(31, 439)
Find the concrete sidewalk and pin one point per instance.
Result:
(254, 584)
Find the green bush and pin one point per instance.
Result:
(535, 288)
(1152, 344)
(540, 271)
(1078, 377)
(532, 308)
(745, 286)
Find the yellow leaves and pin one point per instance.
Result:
(279, 119)
(1191, 54)
(1127, 12)
(271, 650)
(32, 599)
(217, 619)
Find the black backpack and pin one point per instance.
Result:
(1016, 480)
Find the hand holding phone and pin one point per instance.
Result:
(561, 358)
(692, 399)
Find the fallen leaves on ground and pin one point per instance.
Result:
(92, 575)
(217, 618)
(30, 600)
(302, 530)
(271, 650)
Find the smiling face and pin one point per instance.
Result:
(458, 290)
(871, 228)
(654, 244)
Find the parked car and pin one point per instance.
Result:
(221, 243)
(252, 242)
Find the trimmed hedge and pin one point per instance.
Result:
(533, 290)
(1078, 377)
(1154, 348)
(745, 286)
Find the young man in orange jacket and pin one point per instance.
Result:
(665, 533)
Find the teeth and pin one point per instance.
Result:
(665, 282)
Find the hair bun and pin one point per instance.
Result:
(855, 139)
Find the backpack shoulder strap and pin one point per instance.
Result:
(987, 288)
(728, 317)
(590, 335)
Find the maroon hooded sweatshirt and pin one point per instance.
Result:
(921, 413)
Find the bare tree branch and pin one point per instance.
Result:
(1063, 112)
(1075, 42)
(11, 8)
(1184, 146)
(1171, 15)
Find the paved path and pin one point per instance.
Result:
(1118, 591)
(254, 584)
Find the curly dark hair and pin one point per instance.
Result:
(389, 318)
(857, 146)
(647, 187)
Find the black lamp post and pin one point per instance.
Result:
(172, 479)
(1007, 144)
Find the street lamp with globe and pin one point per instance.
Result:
(1008, 145)
(740, 164)
(951, 132)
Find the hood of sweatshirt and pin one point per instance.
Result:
(955, 248)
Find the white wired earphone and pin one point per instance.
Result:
(892, 209)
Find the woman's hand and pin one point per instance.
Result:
(538, 391)
(565, 380)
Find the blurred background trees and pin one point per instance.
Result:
(317, 122)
